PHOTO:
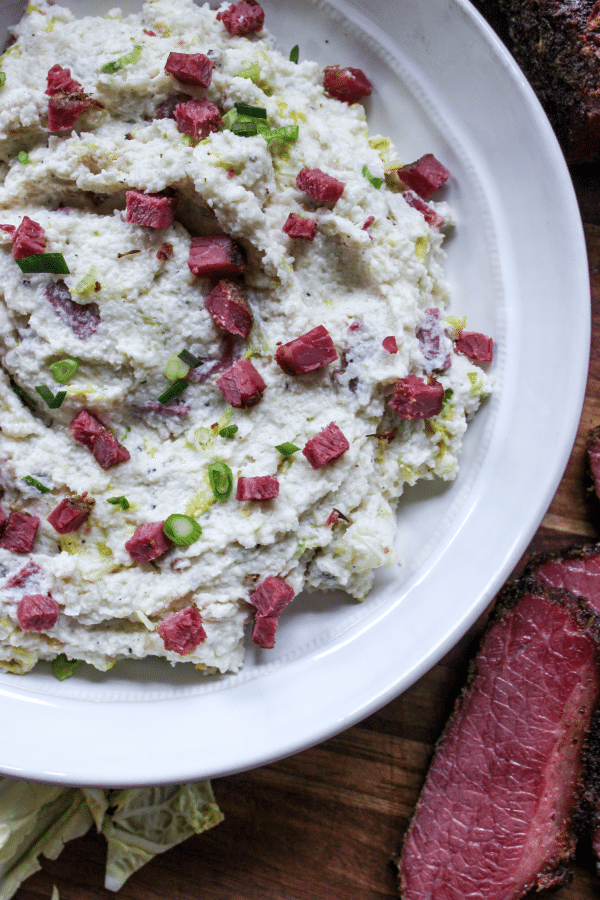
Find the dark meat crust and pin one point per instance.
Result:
(557, 870)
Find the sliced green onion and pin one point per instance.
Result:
(287, 449)
(202, 438)
(29, 479)
(62, 667)
(23, 157)
(50, 263)
(448, 394)
(295, 53)
(257, 112)
(182, 529)
(23, 397)
(2, 79)
(123, 502)
(189, 359)
(111, 67)
(221, 480)
(64, 369)
(244, 129)
(230, 117)
(177, 388)
(176, 368)
(374, 180)
(228, 431)
(47, 395)
(87, 283)
(287, 133)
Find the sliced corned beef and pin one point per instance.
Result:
(424, 176)
(37, 612)
(241, 385)
(59, 79)
(198, 118)
(152, 210)
(71, 513)
(257, 487)
(19, 532)
(417, 399)
(347, 84)
(182, 632)
(325, 446)
(270, 599)
(245, 17)
(190, 68)
(217, 255)
(29, 238)
(65, 109)
(299, 228)
(229, 308)
(148, 542)
(319, 185)
(82, 318)
(105, 448)
(306, 353)
(475, 345)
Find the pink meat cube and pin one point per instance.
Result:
(190, 68)
(85, 428)
(217, 255)
(37, 612)
(70, 514)
(300, 228)
(257, 487)
(148, 542)
(182, 631)
(89, 431)
(59, 79)
(30, 238)
(229, 308)
(328, 444)
(306, 353)
(424, 176)
(390, 344)
(319, 185)
(241, 385)
(82, 318)
(198, 118)
(476, 346)
(153, 210)
(64, 110)
(245, 17)
(19, 532)
(433, 219)
(433, 342)
(270, 599)
(347, 84)
(417, 399)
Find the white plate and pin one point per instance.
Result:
(518, 268)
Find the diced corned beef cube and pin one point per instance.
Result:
(85, 428)
(245, 17)
(19, 532)
(257, 487)
(217, 255)
(433, 342)
(300, 228)
(319, 185)
(347, 84)
(433, 219)
(475, 346)
(59, 79)
(82, 318)
(390, 344)
(190, 68)
(64, 110)
(306, 353)
(30, 238)
(182, 631)
(37, 612)
(153, 210)
(198, 118)
(148, 542)
(424, 176)
(416, 399)
(70, 514)
(3, 520)
(229, 308)
(164, 252)
(89, 431)
(270, 599)
(241, 385)
(166, 110)
(328, 444)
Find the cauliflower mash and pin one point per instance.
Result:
(224, 339)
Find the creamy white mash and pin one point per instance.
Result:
(370, 273)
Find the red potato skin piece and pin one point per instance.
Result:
(190, 68)
(197, 118)
(229, 308)
(245, 17)
(70, 514)
(182, 632)
(152, 210)
(270, 599)
(241, 385)
(37, 612)
(347, 84)
(476, 346)
(424, 176)
(327, 445)
(148, 542)
(29, 238)
(19, 532)
(257, 487)
(307, 353)
(319, 185)
(217, 255)
(416, 399)
(494, 819)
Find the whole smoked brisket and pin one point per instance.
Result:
(495, 816)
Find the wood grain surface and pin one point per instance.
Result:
(325, 824)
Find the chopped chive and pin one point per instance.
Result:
(230, 117)
(64, 369)
(228, 431)
(285, 133)
(182, 529)
(287, 449)
(295, 53)
(244, 109)
(177, 388)
(123, 502)
(176, 368)
(244, 129)
(220, 477)
(47, 395)
(23, 157)
(189, 359)
(29, 479)
(50, 263)
(110, 68)
(62, 667)
(2, 79)
(374, 180)
(23, 397)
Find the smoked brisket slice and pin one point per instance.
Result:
(495, 816)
